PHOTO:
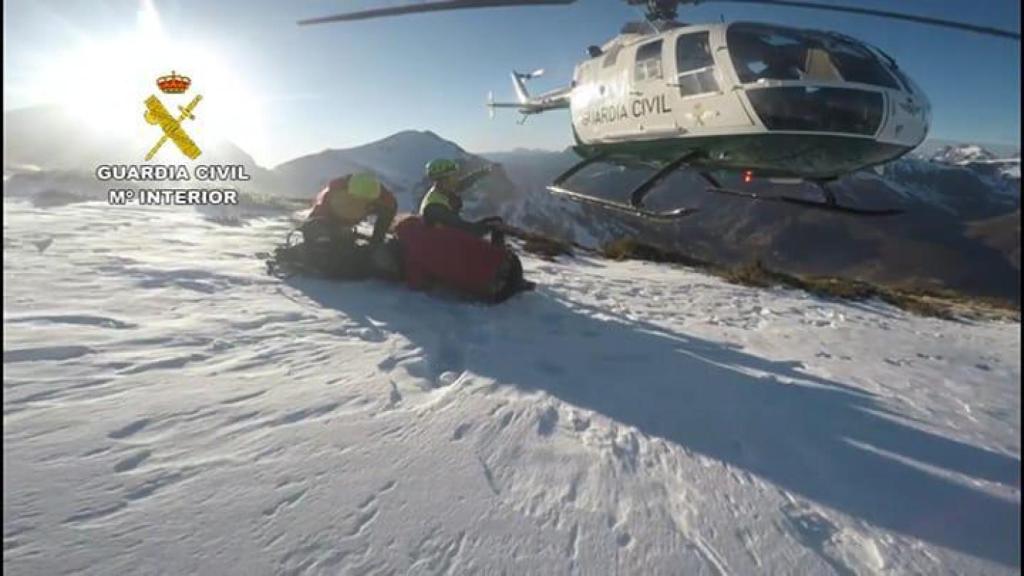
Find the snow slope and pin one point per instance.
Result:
(168, 408)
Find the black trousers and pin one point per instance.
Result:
(332, 251)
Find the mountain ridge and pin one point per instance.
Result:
(933, 241)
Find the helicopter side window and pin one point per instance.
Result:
(695, 65)
(611, 56)
(648, 62)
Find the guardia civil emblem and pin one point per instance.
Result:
(157, 114)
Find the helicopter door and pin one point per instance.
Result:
(702, 105)
(649, 99)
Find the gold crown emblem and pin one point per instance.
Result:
(174, 83)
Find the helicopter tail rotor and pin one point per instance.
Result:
(491, 105)
(530, 75)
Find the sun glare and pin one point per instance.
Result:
(104, 80)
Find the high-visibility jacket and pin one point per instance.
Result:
(439, 209)
(435, 197)
(452, 203)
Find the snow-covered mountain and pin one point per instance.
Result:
(398, 159)
(169, 408)
(931, 147)
(979, 158)
(962, 154)
(53, 138)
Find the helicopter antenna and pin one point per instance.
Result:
(658, 10)
(646, 19)
(662, 10)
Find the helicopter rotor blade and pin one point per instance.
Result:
(427, 7)
(882, 13)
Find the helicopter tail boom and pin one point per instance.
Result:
(527, 104)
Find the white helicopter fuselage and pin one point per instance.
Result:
(747, 96)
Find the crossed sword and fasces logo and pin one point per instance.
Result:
(156, 113)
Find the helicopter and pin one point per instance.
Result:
(789, 104)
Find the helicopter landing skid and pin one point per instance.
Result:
(636, 198)
(830, 203)
(624, 208)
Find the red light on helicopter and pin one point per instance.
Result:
(748, 176)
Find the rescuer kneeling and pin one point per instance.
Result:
(330, 229)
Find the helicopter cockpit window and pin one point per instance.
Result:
(695, 64)
(762, 52)
(908, 86)
(648, 62)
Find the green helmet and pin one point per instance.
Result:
(437, 169)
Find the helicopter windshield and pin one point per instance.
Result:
(760, 51)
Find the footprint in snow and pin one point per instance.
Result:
(461, 430)
(132, 462)
(43, 244)
(845, 551)
(130, 429)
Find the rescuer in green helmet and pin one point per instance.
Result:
(443, 202)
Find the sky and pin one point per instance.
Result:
(279, 90)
